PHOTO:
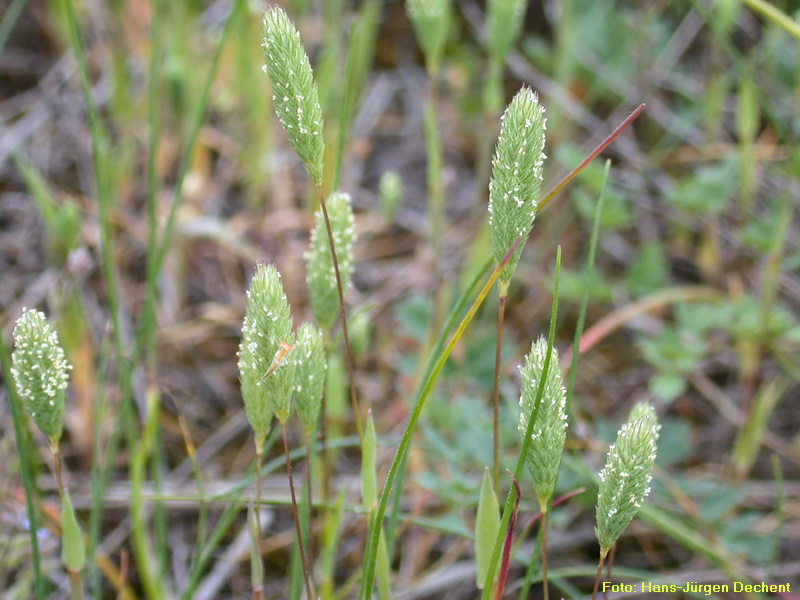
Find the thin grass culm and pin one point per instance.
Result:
(625, 479)
(513, 198)
(547, 441)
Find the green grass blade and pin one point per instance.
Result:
(374, 533)
(458, 308)
(225, 521)
(509, 505)
(99, 474)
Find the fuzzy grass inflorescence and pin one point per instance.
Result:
(310, 370)
(547, 440)
(40, 371)
(430, 19)
(321, 274)
(295, 94)
(625, 479)
(266, 375)
(516, 176)
(503, 25)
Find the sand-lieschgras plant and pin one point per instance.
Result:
(296, 101)
(320, 270)
(267, 372)
(514, 192)
(309, 376)
(309, 386)
(547, 441)
(625, 479)
(294, 92)
(41, 374)
(504, 20)
(430, 20)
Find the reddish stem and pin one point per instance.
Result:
(504, 565)
(602, 146)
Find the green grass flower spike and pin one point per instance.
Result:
(266, 372)
(430, 18)
(516, 177)
(40, 372)
(295, 94)
(503, 24)
(547, 440)
(321, 276)
(309, 376)
(625, 480)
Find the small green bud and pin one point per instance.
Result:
(309, 375)
(625, 480)
(360, 332)
(40, 372)
(550, 431)
(295, 94)
(487, 524)
(73, 550)
(321, 276)
(390, 191)
(516, 177)
(265, 373)
(430, 19)
(503, 24)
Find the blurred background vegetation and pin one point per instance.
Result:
(135, 221)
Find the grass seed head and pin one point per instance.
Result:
(294, 92)
(40, 372)
(516, 177)
(309, 375)
(266, 334)
(321, 276)
(430, 19)
(625, 480)
(503, 24)
(550, 431)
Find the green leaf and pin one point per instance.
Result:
(648, 271)
(487, 524)
(73, 550)
(667, 386)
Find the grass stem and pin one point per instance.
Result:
(303, 560)
(75, 584)
(373, 536)
(501, 311)
(259, 457)
(546, 591)
(55, 448)
(603, 553)
(343, 317)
